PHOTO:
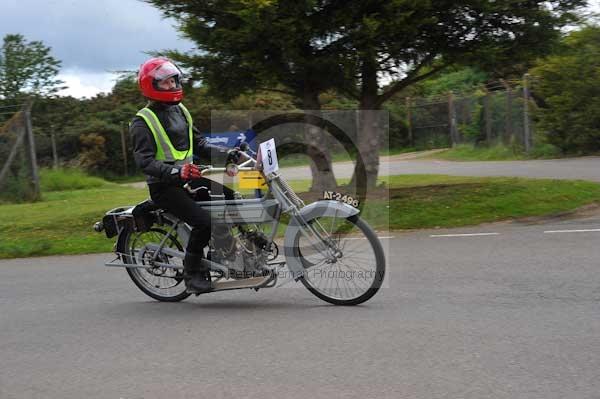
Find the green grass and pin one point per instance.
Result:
(62, 222)
(468, 152)
(443, 201)
(120, 179)
(68, 179)
(397, 151)
(303, 160)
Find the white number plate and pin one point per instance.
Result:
(268, 155)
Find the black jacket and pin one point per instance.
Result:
(173, 121)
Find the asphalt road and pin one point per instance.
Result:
(511, 314)
(587, 168)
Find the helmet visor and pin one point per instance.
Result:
(166, 77)
(166, 70)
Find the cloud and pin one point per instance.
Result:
(93, 36)
(86, 84)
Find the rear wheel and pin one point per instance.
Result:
(161, 283)
(347, 271)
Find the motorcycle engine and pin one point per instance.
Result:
(245, 255)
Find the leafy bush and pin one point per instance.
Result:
(16, 189)
(17, 185)
(567, 91)
(68, 179)
(93, 155)
(545, 151)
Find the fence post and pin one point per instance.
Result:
(54, 151)
(35, 177)
(526, 120)
(124, 147)
(12, 154)
(487, 116)
(452, 120)
(508, 131)
(409, 121)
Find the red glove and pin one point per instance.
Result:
(190, 171)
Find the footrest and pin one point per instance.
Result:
(252, 282)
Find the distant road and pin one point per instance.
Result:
(587, 168)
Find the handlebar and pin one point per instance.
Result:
(209, 169)
(244, 166)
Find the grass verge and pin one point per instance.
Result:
(468, 152)
(68, 179)
(62, 223)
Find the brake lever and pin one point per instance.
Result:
(191, 190)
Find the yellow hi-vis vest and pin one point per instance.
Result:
(164, 148)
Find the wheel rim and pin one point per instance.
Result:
(164, 282)
(341, 278)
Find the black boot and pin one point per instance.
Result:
(196, 276)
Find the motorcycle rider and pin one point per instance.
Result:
(165, 142)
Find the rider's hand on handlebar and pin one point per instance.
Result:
(190, 171)
(231, 169)
(234, 156)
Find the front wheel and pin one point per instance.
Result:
(161, 283)
(343, 259)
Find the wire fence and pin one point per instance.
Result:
(497, 113)
(486, 115)
(19, 178)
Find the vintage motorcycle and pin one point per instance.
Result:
(326, 245)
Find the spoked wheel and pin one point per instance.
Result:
(161, 283)
(349, 268)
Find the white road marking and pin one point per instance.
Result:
(464, 235)
(364, 238)
(572, 231)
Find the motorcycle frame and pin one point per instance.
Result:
(248, 211)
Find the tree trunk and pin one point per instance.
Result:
(317, 147)
(366, 168)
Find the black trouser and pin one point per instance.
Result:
(180, 203)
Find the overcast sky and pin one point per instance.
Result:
(92, 38)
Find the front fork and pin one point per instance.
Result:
(325, 244)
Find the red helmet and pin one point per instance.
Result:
(155, 70)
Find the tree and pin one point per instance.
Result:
(27, 67)
(263, 45)
(567, 89)
(409, 41)
(76, 125)
(311, 46)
